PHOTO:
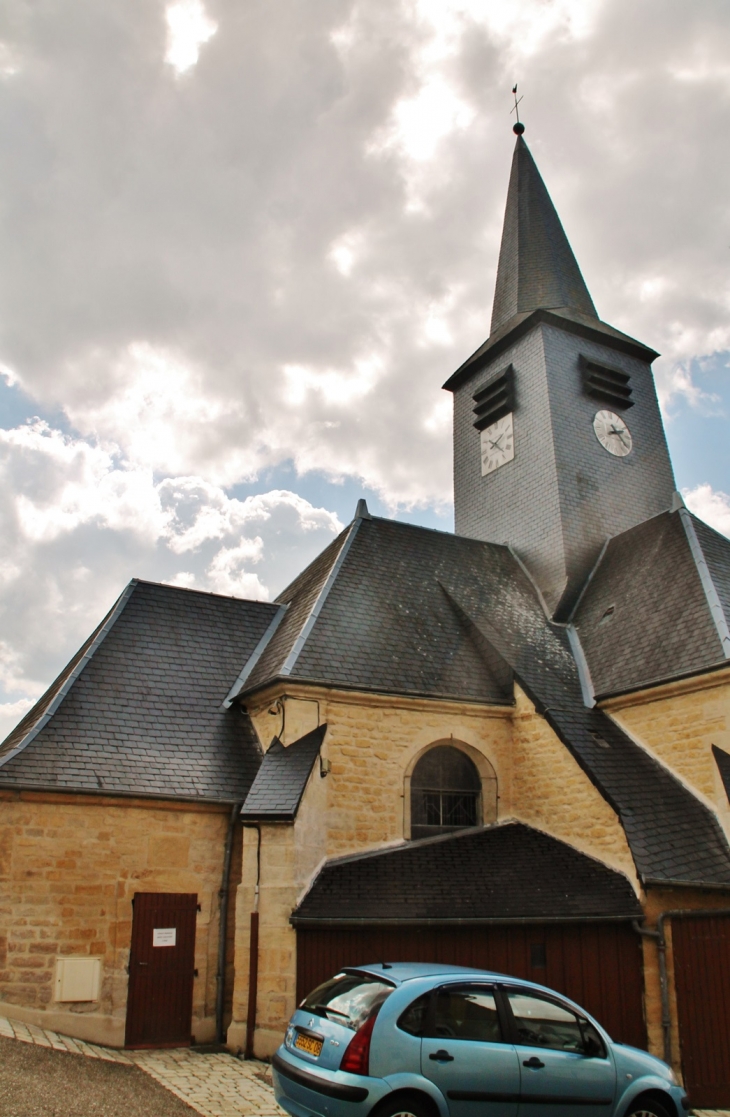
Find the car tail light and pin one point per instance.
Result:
(356, 1059)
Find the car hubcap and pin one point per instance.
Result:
(643, 1113)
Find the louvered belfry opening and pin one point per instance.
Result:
(495, 399)
(606, 383)
(445, 793)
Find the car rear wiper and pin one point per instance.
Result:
(326, 1008)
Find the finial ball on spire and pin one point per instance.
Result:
(518, 128)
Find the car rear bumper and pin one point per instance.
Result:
(303, 1091)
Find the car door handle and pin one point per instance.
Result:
(442, 1057)
(534, 1063)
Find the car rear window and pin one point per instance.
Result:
(348, 998)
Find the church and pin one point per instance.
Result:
(507, 747)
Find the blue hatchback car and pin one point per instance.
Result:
(411, 1040)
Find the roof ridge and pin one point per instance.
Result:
(294, 652)
(91, 647)
(708, 585)
(202, 593)
(255, 655)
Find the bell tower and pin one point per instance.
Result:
(558, 438)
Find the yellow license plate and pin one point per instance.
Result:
(308, 1043)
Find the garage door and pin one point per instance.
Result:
(598, 965)
(701, 948)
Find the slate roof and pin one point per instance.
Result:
(141, 714)
(503, 872)
(536, 267)
(393, 608)
(383, 623)
(277, 790)
(645, 616)
(415, 611)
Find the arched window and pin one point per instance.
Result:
(445, 793)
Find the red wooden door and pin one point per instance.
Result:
(599, 965)
(701, 948)
(161, 970)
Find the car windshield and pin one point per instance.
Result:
(348, 998)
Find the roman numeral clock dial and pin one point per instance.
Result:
(498, 444)
(613, 434)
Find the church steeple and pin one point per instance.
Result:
(558, 439)
(537, 268)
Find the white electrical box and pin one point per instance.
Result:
(78, 978)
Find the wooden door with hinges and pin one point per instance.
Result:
(161, 969)
(701, 953)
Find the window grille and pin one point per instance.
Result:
(445, 793)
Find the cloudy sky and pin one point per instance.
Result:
(243, 243)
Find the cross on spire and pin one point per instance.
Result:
(518, 127)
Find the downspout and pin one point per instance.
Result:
(253, 955)
(661, 941)
(220, 977)
(661, 945)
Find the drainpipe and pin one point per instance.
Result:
(253, 952)
(220, 977)
(661, 944)
(661, 941)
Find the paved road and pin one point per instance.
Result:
(37, 1081)
(43, 1074)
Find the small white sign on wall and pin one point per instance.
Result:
(164, 936)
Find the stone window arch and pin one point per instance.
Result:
(450, 786)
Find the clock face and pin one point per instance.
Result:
(498, 445)
(612, 432)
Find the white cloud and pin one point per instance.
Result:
(188, 28)
(678, 383)
(9, 376)
(346, 251)
(420, 122)
(522, 28)
(208, 278)
(9, 61)
(338, 388)
(67, 482)
(710, 505)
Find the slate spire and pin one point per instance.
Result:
(537, 268)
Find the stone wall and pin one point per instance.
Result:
(69, 868)
(551, 792)
(680, 723)
(371, 744)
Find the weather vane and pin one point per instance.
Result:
(518, 127)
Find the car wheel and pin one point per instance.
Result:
(407, 1105)
(647, 1107)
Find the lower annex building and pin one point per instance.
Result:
(506, 747)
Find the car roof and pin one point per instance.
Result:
(398, 972)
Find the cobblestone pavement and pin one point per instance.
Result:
(216, 1085)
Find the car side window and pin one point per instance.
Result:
(415, 1017)
(544, 1023)
(467, 1013)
